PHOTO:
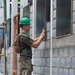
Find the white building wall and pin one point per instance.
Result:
(1, 15)
(2, 65)
(8, 9)
(10, 50)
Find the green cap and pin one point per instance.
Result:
(24, 21)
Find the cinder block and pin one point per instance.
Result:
(42, 70)
(68, 62)
(35, 69)
(61, 52)
(65, 72)
(54, 62)
(54, 14)
(38, 70)
(71, 72)
(48, 35)
(58, 62)
(55, 52)
(60, 71)
(48, 62)
(46, 70)
(38, 53)
(55, 71)
(35, 53)
(54, 21)
(73, 16)
(41, 53)
(39, 62)
(72, 51)
(62, 62)
(54, 4)
(54, 33)
(73, 5)
(66, 52)
(43, 61)
(73, 63)
(46, 53)
(74, 28)
(48, 26)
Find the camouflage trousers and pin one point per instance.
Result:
(25, 66)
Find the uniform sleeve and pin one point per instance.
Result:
(27, 40)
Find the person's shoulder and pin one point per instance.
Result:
(23, 35)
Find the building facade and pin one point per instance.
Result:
(63, 35)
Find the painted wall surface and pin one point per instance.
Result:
(1, 15)
(10, 50)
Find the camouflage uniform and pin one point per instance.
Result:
(25, 66)
(25, 55)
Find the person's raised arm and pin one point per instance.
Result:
(36, 43)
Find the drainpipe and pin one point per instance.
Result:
(5, 73)
(51, 18)
(34, 18)
(34, 25)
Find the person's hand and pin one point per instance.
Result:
(43, 32)
(44, 29)
(15, 18)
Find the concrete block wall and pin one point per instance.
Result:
(64, 61)
(41, 60)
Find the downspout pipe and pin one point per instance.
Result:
(51, 23)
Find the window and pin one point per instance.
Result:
(10, 9)
(26, 11)
(1, 33)
(8, 31)
(47, 10)
(63, 19)
(40, 16)
(1, 39)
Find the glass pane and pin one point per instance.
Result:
(40, 16)
(63, 17)
(47, 10)
(8, 30)
(26, 11)
(1, 38)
